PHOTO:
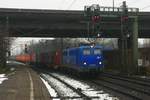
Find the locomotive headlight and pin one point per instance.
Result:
(84, 63)
(92, 46)
(100, 62)
(98, 57)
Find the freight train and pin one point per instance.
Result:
(83, 59)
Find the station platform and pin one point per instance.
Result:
(23, 84)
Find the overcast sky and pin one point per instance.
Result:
(144, 5)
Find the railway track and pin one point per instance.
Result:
(130, 87)
(55, 83)
(133, 89)
(137, 80)
(81, 95)
(83, 91)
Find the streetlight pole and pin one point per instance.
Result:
(113, 4)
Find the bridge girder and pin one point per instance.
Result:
(58, 23)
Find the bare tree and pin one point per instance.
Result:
(5, 41)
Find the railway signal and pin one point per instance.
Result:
(125, 38)
(93, 17)
(95, 13)
(124, 16)
(96, 19)
(87, 12)
(26, 50)
(125, 26)
(9, 53)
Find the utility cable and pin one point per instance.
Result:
(71, 4)
(135, 1)
(61, 4)
(145, 7)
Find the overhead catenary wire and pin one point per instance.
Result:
(135, 1)
(129, 3)
(145, 7)
(71, 4)
(61, 4)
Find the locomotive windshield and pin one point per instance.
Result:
(97, 51)
(86, 51)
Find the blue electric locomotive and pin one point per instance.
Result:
(84, 58)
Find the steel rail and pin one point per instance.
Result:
(74, 89)
(115, 89)
(79, 92)
(127, 86)
(128, 79)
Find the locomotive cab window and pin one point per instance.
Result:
(97, 51)
(86, 51)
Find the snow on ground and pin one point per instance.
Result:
(51, 91)
(63, 89)
(14, 62)
(2, 78)
(86, 89)
(2, 75)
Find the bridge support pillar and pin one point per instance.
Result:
(134, 50)
(4, 41)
